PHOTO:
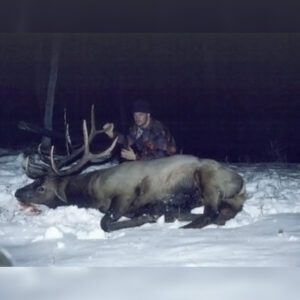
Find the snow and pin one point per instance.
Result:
(266, 233)
(149, 284)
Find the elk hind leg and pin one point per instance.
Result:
(119, 208)
(230, 208)
(226, 213)
(211, 210)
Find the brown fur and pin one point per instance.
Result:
(128, 188)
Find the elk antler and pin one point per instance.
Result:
(45, 164)
(35, 167)
(87, 155)
(93, 133)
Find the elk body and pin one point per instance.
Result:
(143, 190)
(140, 189)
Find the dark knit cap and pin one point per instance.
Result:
(141, 106)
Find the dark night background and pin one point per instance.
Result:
(228, 96)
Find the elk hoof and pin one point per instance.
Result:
(105, 223)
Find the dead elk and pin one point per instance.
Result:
(141, 190)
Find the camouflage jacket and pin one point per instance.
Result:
(152, 142)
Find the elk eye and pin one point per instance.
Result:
(40, 189)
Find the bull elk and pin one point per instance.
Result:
(141, 190)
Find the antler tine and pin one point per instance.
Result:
(93, 126)
(68, 142)
(86, 140)
(94, 131)
(53, 164)
(87, 155)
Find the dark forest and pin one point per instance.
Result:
(228, 96)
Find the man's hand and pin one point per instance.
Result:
(128, 154)
(108, 128)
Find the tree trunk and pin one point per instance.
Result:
(41, 73)
(120, 96)
(49, 106)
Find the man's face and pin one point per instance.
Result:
(141, 119)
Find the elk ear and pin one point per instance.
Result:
(60, 193)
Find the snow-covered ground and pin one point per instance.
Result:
(265, 233)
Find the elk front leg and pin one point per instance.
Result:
(111, 225)
(118, 209)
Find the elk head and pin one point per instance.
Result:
(51, 172)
